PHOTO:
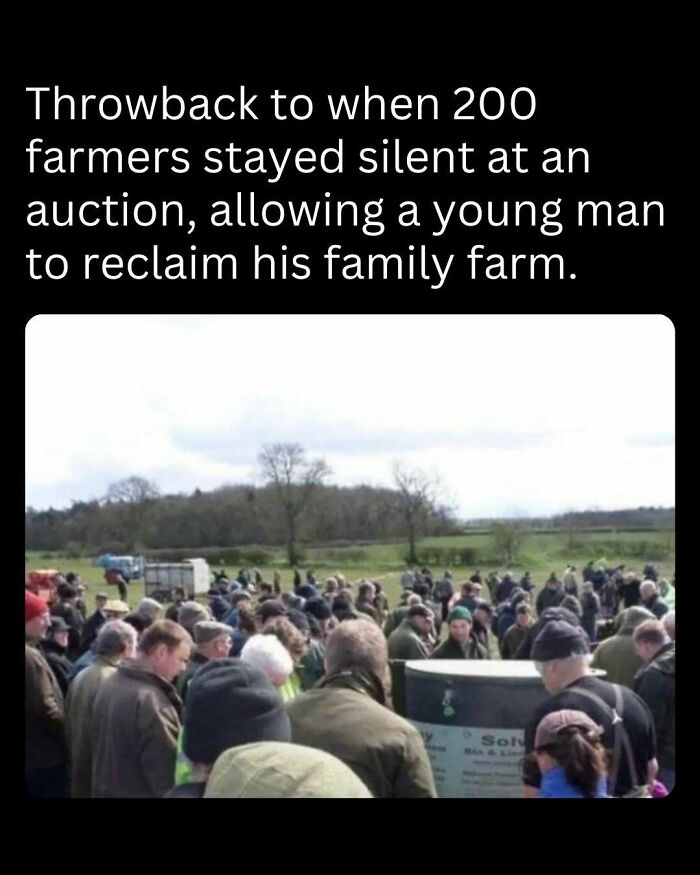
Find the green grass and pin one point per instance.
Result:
(539, 554)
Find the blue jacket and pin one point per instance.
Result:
(554, 785)
(231, 619)
(505, 620)
(85, 661)
(219, 607)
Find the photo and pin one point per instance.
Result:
(350, 555)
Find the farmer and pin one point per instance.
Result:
(570, 757)
(551, 596)
(655, 683)
(590, 609)
(513, 637)
(114, 577)
(276, 770)
(460, 643)
(365, 601)
(651, 599)
(230, 703)
(45, 752)
(561, 657)
(174, 609)
(407, 641)
(212, 641)
(93, 622)
(136, 718)
(345, 715)
(116, 640)
(67, 610)
(483, 618)
(617, 655)
(54, 648)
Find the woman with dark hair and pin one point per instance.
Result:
(570, 757)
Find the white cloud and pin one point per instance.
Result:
(539, 412)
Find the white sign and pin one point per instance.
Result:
(474, 761)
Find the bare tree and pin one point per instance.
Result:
(508, 536)
(136, 495)
(295, 480)
(418, 493)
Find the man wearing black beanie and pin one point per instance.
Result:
(229, 703)
(561, 656)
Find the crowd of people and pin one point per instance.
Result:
(264, 691)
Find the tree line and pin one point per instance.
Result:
(293, 506)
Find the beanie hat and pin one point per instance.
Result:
(459, 613)
(231, 703)
(190, 614)
(318, 608)
(298, 619)
(207, 630)
(484, 606)
(307, 591)
(559, 639)
(270, 770)
(33, 606)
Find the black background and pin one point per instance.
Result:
(626, 97)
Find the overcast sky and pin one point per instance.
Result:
(517, 414)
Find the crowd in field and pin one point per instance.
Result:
(264, 692)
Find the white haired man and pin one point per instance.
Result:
(651, 599)
(116, 640)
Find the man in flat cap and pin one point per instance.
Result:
(212, 641)
(407, 641)
(561, 656)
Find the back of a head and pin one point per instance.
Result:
(229, 703)
(290, 636)
(632, 617)
(357, 646)
(270, 609)
(270, 770)
(574, 744)
(114, 638)
(150, 607)
(140, 622)
(669, 621)
(571, 603)
(269, 655)
(190, 614)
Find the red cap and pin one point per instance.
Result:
(33, 606)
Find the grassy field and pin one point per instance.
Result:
(541, 553)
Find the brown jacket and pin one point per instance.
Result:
(345, 716)
(44, 716)
(79, 714)
(135, 728)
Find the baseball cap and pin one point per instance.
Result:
(552, 724)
